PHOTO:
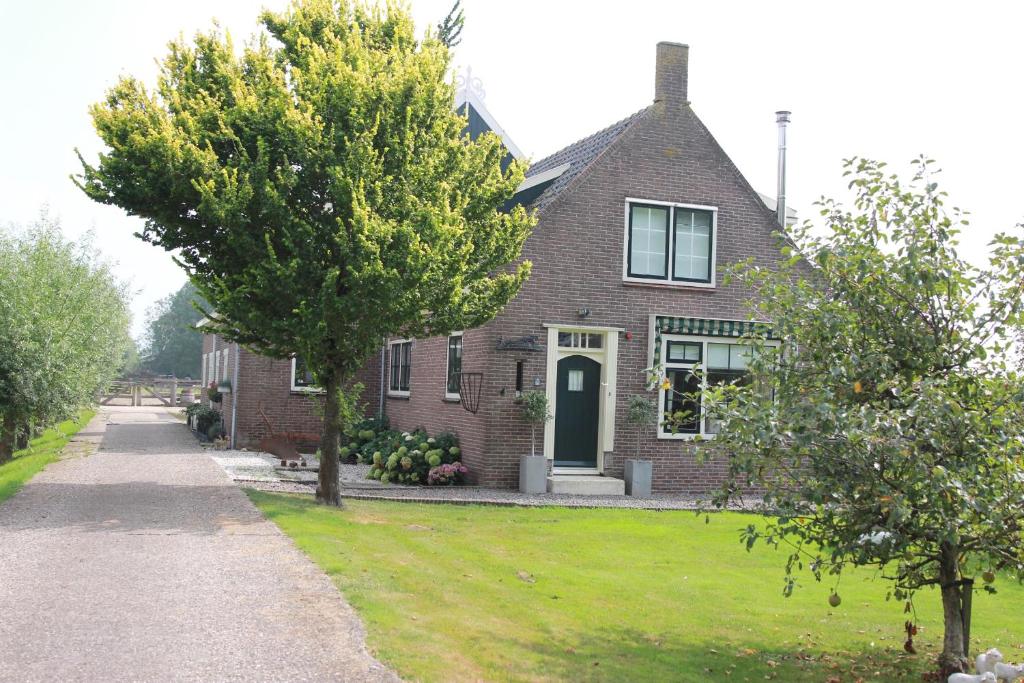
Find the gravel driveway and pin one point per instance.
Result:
(143, 562)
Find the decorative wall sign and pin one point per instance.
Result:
(525, 343)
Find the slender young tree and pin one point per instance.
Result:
(319, 189)
(887, 430)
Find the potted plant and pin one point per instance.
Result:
(214, 395)
(638, 473)
(533, 468)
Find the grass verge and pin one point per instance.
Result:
(41, 451)
(468, 593)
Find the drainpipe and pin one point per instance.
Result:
(234, 396)
(782, 119)
(383, 358)
(213, 370)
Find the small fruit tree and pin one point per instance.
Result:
(888, 429)
(536, 413)
(641, 413)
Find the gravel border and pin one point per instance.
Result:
(472, 495)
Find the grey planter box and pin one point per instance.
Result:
(638, 478)
(533, 474)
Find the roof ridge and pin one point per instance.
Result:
(621, 122)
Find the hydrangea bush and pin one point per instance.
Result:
(412, 457)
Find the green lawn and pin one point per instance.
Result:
(41, 452)
(471, 593)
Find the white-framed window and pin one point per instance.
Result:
(224, 366)
(206, 367)
(400, 367)
(720, 361)
(453, 370)
(671, 244)
(302, 378)
(216, 366)
(582, 340)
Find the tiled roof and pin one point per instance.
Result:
(579, 155)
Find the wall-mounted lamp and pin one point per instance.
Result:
(583, 312)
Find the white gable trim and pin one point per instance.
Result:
(543, 177)
(465, 95)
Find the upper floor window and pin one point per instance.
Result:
(670, 243)
(454, 372)
(401, 367)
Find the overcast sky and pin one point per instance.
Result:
(885, 80)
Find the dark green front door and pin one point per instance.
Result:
(577, 401)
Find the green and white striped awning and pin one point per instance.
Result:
(707, 328)
(710, 328)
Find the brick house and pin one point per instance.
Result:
(636, 224)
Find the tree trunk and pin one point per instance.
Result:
(953, 658)
(22, 437)
(8, 431)
(328, 490)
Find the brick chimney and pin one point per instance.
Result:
(670, 73)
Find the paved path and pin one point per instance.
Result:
(142, 561)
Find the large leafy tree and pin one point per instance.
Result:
(172, 345)
(63, 328)
(319, 187)
(888, 428)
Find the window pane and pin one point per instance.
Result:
(739, 355)
(575, 380)
(738, 377)
(718, 356)
(396, 355)
(454, 363)
(565, 338)
(683, 352)
(303, 377)
(648, 241)
(692, 245)
(406, 366)
(682, 403)
(594, 341)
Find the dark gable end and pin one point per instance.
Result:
(477, 125)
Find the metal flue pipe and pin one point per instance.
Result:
(782, 119)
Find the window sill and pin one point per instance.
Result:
(452, 398)
(686, 437)
(661, 284)
(306, 390)
(400, 395)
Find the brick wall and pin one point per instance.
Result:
(266, 384)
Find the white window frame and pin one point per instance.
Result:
(216, 366)
(449, 396)
(224, 366)
(668, 281)
(663, 363)
(206, 363)
(311, 389)
(400, 393)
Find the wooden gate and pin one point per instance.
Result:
(150, 391)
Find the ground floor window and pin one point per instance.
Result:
(719, 362)
(401, 367)
(302, 376)
(454, 372)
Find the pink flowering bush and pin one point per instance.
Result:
(447, 474)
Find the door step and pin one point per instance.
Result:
(586, 485)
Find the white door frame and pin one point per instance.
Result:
(607, 357)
